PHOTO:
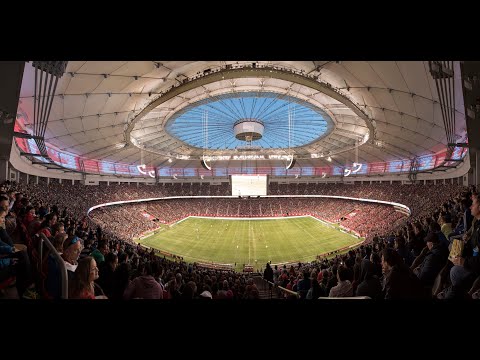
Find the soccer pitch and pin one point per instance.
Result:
(253, 242)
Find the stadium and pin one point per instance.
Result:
(239, 180)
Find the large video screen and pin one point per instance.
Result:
(395, 166)
(249, 185)
(458, 153)
(426, 162)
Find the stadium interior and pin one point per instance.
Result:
(272, 180)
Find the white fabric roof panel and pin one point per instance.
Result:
(416, 76)
(73, 106)
(134, 68)
(83, 84)
(113, 84)
(391, 85)
(363, 72)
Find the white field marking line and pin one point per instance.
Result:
(193, 243)
(196, 243)
(302, 259)
(298, 248)
(206, 261)
(327, 223)
(263, 238)
(306, 257)
(177, 241)
(235, 243)
(333, 240)
(253, 241)
(249, 243)
(297, 243)
(268, 218)
(178, 222)
(305, 231)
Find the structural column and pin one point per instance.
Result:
(11, 75)
(477, 168)
(3, 170)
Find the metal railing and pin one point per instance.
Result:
(281, 289)
(63, 270)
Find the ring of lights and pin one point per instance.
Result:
(248, 129)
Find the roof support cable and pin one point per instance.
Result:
(443, 74)
(47, 74)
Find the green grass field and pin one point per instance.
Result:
(253, 242)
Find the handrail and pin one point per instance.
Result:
(61, 262)
(282, 288)
(345, 298)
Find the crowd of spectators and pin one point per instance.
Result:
(407, 259)
(130, 221)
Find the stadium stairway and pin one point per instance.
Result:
(263, 289)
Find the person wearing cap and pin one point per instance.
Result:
(433, 260)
